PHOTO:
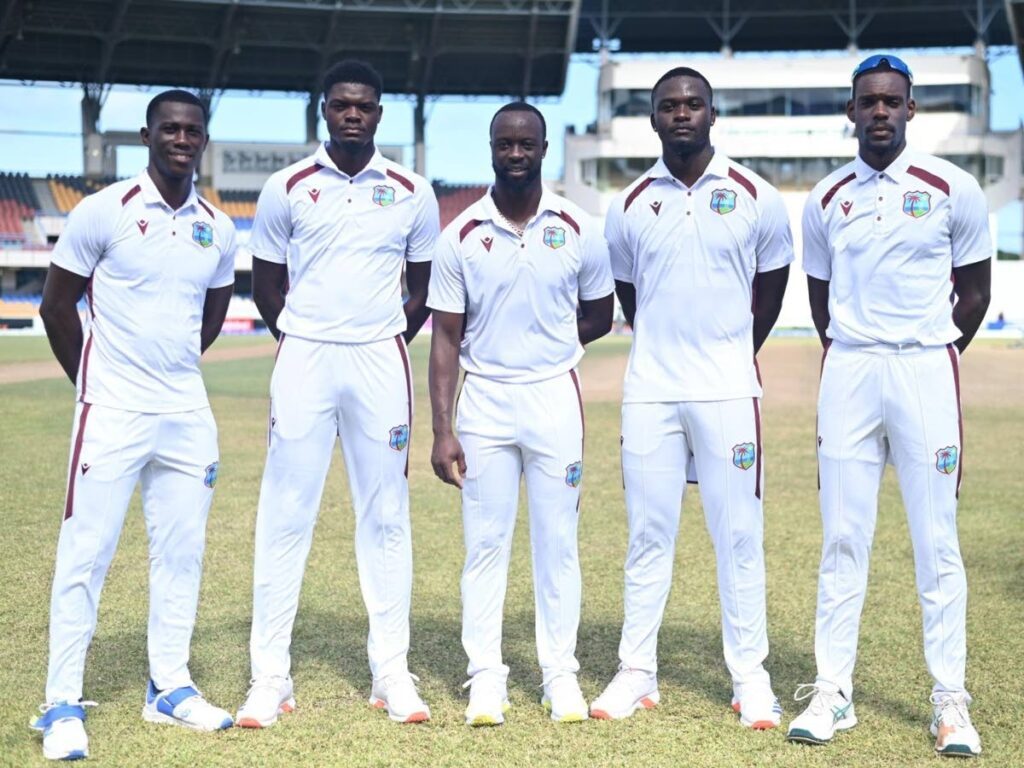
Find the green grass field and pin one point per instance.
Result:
(693, 726)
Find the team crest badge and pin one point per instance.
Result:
(723, 201)
(384, 196)
(399, 437)
(554, 237)
(743, 455)
(202, 233)
(574, 474)
(945, 459)
(917, 204)
(210, 479)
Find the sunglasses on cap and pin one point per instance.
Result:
(883, 60)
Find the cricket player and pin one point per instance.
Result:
(509, 274)
(330, 240)
(700, 250)
(156, 264)
(887, 238)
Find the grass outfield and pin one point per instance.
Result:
(693, 725)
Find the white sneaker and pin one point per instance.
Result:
(564, 699)
(757, 707)
(397, 694)
(488, 699)
(951, 726)
(267, 698)
(63, 727)
(185, 707)
(629, 690)
(828, 712)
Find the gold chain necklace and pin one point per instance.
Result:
(519, 231)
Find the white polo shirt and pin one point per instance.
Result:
(149, 268)
(346, 240)
(519, 295)
(888, 241)
(692, 254)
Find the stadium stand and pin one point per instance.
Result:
(18, 205)
(68, 191)
(239, 204)
(453, 199)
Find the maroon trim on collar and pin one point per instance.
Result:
(299, 176)
(636, 192)
(568, 220)
(835, 188)
(929, 178)
(130, 194)
(205, 207)
(401, 180)
(743, 181)
(468, 227)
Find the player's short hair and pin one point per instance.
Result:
(522, 106)
(177, 96)
(353, 71)
(675, 72)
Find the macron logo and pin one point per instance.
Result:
(487, 241)
(656, 207)
(314, 194)
(85, 467)
(846, 205)
(142, 224)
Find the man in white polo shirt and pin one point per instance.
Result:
(330, 240)
(155, 263)
(883, 236)
(700, 251)
(508, 275)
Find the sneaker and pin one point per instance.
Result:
(63, 727)
(757, 707)
(951, 726)
(488, 700)
(564, 699)
(185, 707)
(629, 690)
(828, 712)
(267, 698)
(397, 694)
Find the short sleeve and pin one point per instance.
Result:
(620, 256)
(969, 232)
(225, 274)
(595, 278)
(817, 261)
(85, 238)
(425, 227)
(774, 238)
(447, 291)
(272, 227)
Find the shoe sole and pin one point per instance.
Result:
(568, 717)
(957, 750)
(74, 754)
(647, 702)
(485, 720)
(756, 725)
(159, 717)
(286, 707)
(803, 736)
(416, 717)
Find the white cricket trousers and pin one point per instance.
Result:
(506, 431)
(175, 457)
(724, 439)
(878, 402)
(319, 392)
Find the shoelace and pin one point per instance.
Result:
(408, 678)
(814, 693)
(264, 682)
(44, 708)
(952, 708)
(485, 681)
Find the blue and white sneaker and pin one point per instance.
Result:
(828, 712)
(63, 727)
(186, 707)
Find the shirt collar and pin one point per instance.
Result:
(718, 167)
(377, 164)
(895, 170)
(548, 202)
(151, 195)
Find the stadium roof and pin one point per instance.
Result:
(499, 47)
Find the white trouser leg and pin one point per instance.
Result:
(851, 459)
(177, 490)
(490, 497)
(655, 453)
(551, 439)
(108, 450)
(922, 418)
(303, 428)
(375, 421)
(725, 437)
